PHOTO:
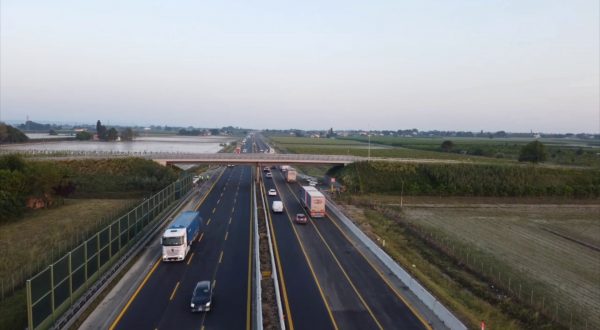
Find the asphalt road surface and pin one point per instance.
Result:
(221, 254)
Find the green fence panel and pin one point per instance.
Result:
(41, 310)
(104, 236)
(40, 285)
(61, 270)
(78, 278)
(54, 288)
(78, 256)
(62, 292)
(104, 255)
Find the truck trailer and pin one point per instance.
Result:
(179, 236)
(314, 201)
(290, 175)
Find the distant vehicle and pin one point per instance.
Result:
(284, 168)
(269, 175)
(314, 201)
(312, 183)
(301, 218)
(230, 165)
(261, 150)
(266, 169)
(273, 167)
(290, 175)
(201, 297)
(272, 192)
(277, 206)
(180, 234)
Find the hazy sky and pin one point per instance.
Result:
(514, 65)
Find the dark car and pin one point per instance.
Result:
(202, 297)
(301, 218)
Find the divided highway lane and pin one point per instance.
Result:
(357, 293)
(303, 300)
(221, 254)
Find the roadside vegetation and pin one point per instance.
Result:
(559, 151)
(553, 151)
(43, 184)
(466, 179)
(470, 296)
(48, 207)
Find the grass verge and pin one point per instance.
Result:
(39, 238)
(465, 293)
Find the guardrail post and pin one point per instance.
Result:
(29, 305)
(52, 291)
(70, 280)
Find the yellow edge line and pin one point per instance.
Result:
(288, 315)
(412, 309)
(312, 271)
(347, 276)
(209, 191)
(137, 291)
(174, 290)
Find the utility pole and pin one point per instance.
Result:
(369, 156)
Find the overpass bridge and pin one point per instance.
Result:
(254, 159)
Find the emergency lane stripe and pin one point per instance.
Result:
(114, 324)
(174, 291)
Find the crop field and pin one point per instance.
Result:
(299, 145)
(557, 246)
(560, 151)
(42, 235)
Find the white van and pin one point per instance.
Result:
(277, 206)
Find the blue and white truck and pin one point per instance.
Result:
(179, 236)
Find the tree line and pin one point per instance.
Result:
(469, 179)
(26, 184)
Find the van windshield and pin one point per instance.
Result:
(172, 241)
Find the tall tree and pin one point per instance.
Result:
(447, 146)
(127, 134)
(112, 134)
(533, 152)
(101, 131)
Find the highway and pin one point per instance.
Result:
(350, 293)
(325, 281)
(221, 254)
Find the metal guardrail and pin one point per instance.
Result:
(427, 298)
